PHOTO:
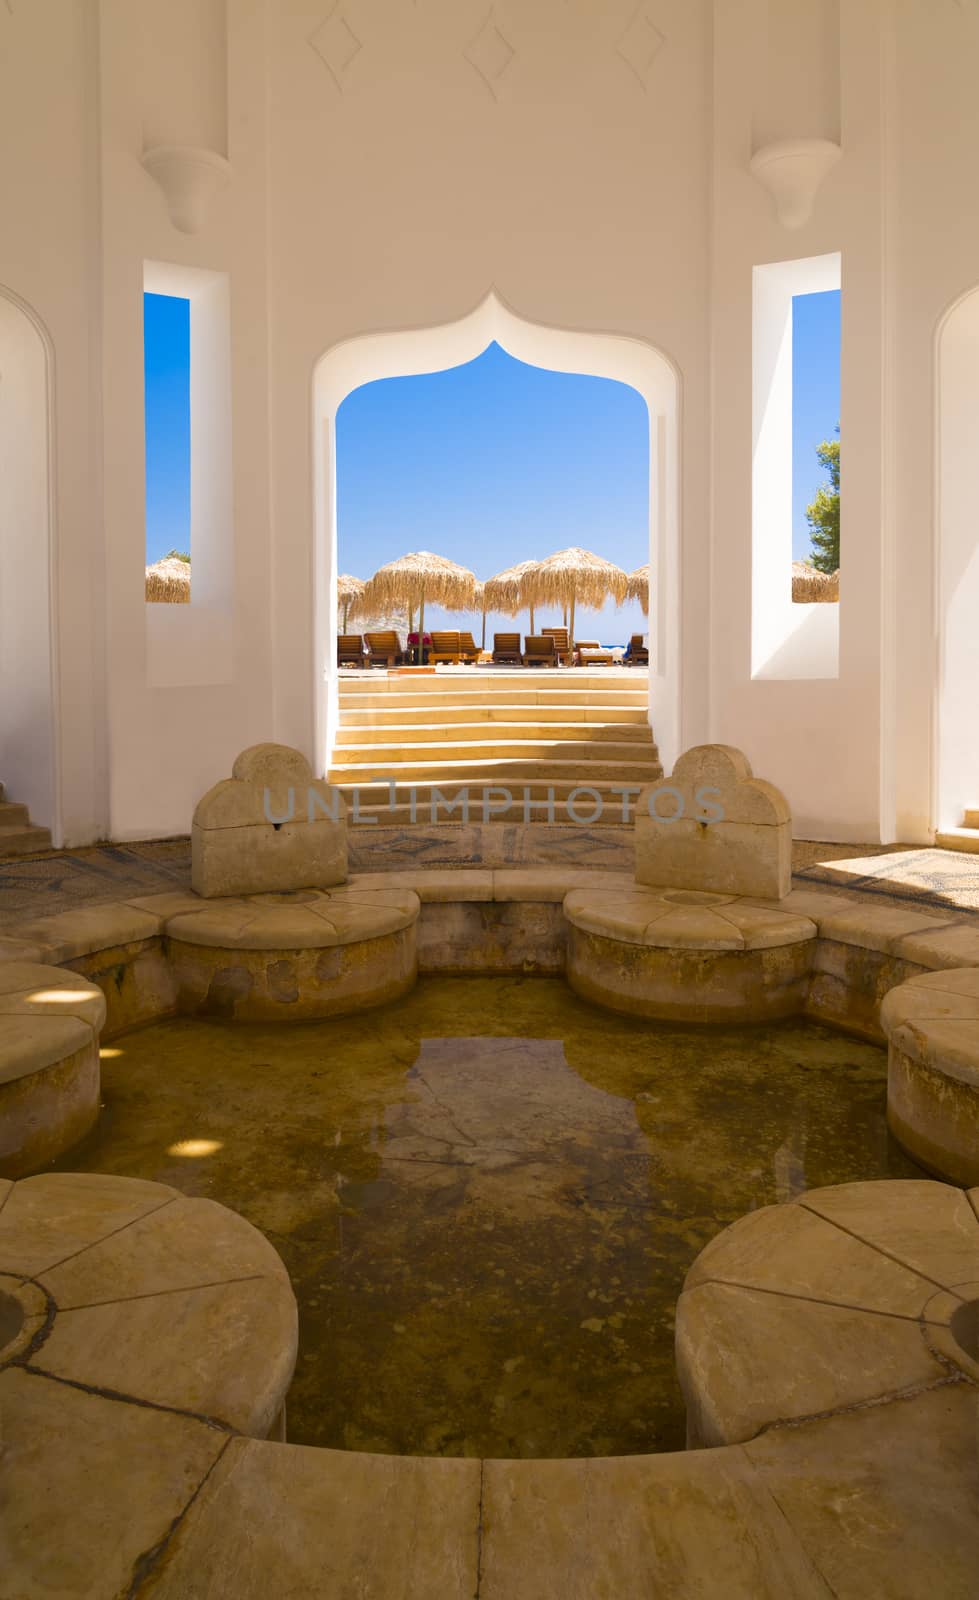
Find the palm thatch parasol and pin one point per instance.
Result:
(169, 580)
(504, 594)
(574, 575)
(416, 578)
(639, 587)
(349, 590)
(809, 584)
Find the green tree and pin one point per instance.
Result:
(823, 515)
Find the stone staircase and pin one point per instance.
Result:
(965, 838)
(19, 836)
(522, 732)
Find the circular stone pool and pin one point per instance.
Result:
(487, 1195)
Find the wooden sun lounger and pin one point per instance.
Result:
(506, 647)
(638, 652)
(468, 648)
(350, 650)
(444, 647)
(540, 650)
(384, 648)
(562, 644)
(589, 653)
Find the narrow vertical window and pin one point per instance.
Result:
(166, 370)
(795, 469)
(816, 446)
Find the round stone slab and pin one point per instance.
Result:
(49, 1063)
(826, 1303)
(301, 954)
(931, 1023)
(148, 1296)
(687, 955)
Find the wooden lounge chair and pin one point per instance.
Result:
(506, 647)
(468, 649)
(350, 650)
(637, 654)
(562, 644)
(589, 653)
(540, 650)
(384, 649)
(444, 647)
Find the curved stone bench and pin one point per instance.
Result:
(862, 1294)
(125, 1288)
(49, 1063)
(931, 1023)
(687, 956)
(301, 954)
(141, 1490)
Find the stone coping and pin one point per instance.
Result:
(130, 1289)
(873, 1495)
(842, 1297)
(46, 1015)
(302, 919)
(931, 1023)
(685, 919)
(928, 937)
(934, 1019)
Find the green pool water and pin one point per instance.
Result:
(488, 1194)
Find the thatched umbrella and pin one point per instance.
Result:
(169, 580)
(574, 575)
(639, 587)
(349, 590)
(809, 584)
(504, 594)
(416, 578)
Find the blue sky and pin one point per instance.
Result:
(815, 400)
(488, 463)
(166, 337)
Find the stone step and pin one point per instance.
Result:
(479, 757)
(427, 716)
(594, 699)
(965, 839)
(376, 794)
(477, 736)
(492, 686)
(13, 815)
(500, 771)
(23, 840)
(583, 814)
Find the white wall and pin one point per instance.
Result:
(819, 740)
(49, 259)
(28, 747)
(958, 564)
(401, 200)
(185, 692)
(596, 187)
(934, 253)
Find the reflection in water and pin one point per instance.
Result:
(488, 1194)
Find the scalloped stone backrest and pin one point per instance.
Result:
(271, 826)
(712, 825)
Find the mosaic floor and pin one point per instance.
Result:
(946, 879)
(59, 880)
